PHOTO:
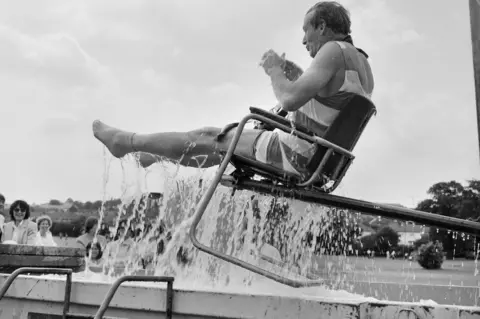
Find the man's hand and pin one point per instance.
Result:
(271, 61)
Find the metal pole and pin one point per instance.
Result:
(419, 217)
(475, 33)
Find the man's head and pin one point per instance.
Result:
(325, 21)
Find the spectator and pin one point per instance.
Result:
(90, 231)
(21, 229)
(44, 236)
(104, 231)
(95, 258)
(2, 218)
(122, 246)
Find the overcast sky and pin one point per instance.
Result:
(177, 65)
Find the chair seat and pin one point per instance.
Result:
(344, 132)
(248, 168)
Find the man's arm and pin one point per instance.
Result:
(293, 95)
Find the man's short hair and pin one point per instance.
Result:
(2, 198)
(336, 17)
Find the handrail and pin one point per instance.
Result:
(111, 293)
(57, 271)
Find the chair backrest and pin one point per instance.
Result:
(344, 131)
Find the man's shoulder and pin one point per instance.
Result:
(329, 54)
(330, 48)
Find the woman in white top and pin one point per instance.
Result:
(20, 230)
(44, 236)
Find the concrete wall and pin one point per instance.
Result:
(36, 294)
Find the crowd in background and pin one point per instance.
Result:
(97, 241)
(21, 229)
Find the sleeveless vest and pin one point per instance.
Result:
(320, 112)
(290, 152)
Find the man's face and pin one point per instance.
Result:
(2, 207)
(313, 38)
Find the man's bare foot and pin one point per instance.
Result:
(118, 142)
(147, 159)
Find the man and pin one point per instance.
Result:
(313, 100)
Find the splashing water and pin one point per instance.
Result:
(291, 238)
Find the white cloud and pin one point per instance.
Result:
(58, 58)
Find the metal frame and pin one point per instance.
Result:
(111, 293)
(419, 217)
(57, 271)
(202, 206)
(475, 35)
(300, 191)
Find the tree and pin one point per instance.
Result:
(368, 242)
(73, 209)
(386, 239)
(55, 202)
(88, 205)
(454, 200)
(97, 205)
(430, 255)
(78, 204)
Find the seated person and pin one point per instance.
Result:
(314, 100)
(21, 230)
(90, 231)
(94, 256)
(122, 247)
(44, 236)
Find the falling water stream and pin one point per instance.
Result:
(299, 240)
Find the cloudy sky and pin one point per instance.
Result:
(176, 65)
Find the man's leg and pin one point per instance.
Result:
(196, 148)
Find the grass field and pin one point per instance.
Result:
(453, 272)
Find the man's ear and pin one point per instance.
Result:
(321, 26)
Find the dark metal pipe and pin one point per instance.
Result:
(419, 217)
(475, 34)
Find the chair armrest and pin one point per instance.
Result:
(279, 119)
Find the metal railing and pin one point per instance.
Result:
(55, 271)
(111, 293)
